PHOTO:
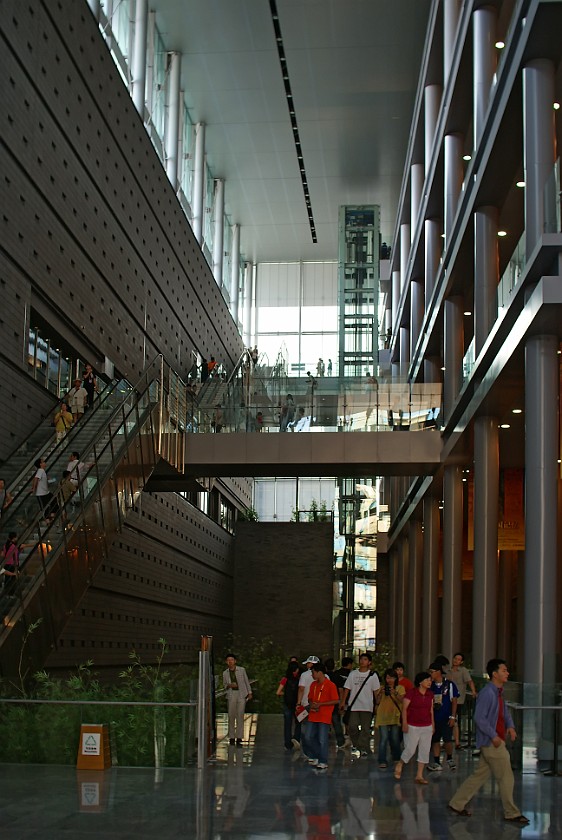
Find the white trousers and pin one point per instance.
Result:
(417, 737)
(236, 707)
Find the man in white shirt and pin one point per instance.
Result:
(358, 696)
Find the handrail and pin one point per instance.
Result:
(60, 443)
(28, 700)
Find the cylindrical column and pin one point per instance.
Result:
(404, 252)
(483, 64)
(235, 272)
(539, 144)
(403, 583)
(246, 323)
(393, 599)
(138, 61)
(395, 300)
(432, 101)
(507, 565)
(432, 372)
(453, 175)
(173, 118)
(486, 494)
(415, 605)
(197, 204)
(416, 313)
(486, 274)
(454, 347)
(452, 559)
(451, 12)
(432, 255)
(416, 188)
(541, 454)
(404, 350)
(218, 237)
(430, 602)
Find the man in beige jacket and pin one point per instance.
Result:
(238, 691)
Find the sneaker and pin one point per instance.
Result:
(296, 744)
(321, 766)
(475, 753)
(313, 761)
(435, 767)
(383, 766)
(355, 753)
(451, 763)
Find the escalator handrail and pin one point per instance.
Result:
(24, 472)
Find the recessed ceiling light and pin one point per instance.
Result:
(502, 233)
(517, 411)
(442, 368)
(505, 426)
(500, 45)
(442, 236)
(467, 313)
(556, 106)
(467, 157)
(520, 184)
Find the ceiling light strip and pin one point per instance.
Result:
(292, 116)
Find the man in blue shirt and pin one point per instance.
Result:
(445, 696)
(493, 723)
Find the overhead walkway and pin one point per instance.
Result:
(308, 454)
(130, 431)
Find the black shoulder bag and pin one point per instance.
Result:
(347, 712)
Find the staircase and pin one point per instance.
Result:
(120, 444)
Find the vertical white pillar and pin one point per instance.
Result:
(197, 204)
(416, 189)
(138, 62)
(486, 494)
(451, 13)
(432, 101)
(404, 253)
(218, 238)
(454, 347)
(395, 300)
(539, 144)
(173, 119)
(452, 559)
(416, 313)
(235, 275)
(432, 255)
(453, 176)
(484, 65)
(248, 294)
(486, 274)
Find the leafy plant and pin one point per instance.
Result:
(249, 514)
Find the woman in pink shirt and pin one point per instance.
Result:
(417, 725)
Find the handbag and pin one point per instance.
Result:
(347, 713)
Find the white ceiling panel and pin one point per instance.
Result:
(353, 68)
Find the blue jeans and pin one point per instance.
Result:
(389, 735)
(317, 740)
(288, 720)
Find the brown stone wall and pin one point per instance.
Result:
(283, 585)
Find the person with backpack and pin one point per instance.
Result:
(288, 689)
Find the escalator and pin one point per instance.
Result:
(129, 433)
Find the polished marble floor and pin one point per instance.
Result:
(260, 791)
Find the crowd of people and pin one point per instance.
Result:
(406, 719)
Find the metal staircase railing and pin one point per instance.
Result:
(62, 556)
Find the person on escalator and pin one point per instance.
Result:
(90, 383)
(40, 488)
(10, 562)
(63, 421)
(77, 399)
